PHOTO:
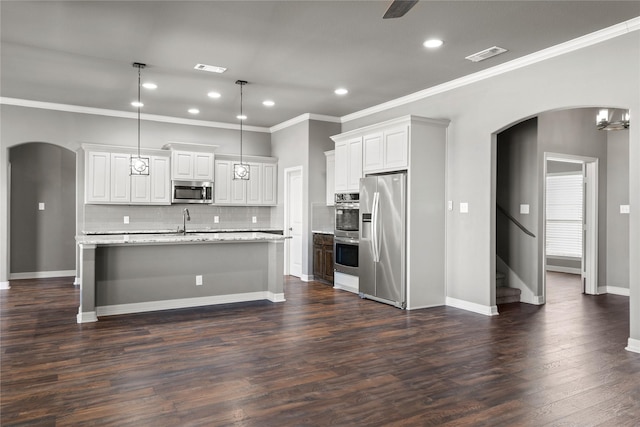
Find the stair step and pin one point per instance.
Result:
(500, 279)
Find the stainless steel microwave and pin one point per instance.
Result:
(191, 192)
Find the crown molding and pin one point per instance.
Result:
(542, 55)
(125, 114)
(304, 117)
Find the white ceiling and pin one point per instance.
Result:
(293, 52)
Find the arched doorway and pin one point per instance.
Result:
(519, 184)
(42, 211)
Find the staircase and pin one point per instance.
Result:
(505, 294)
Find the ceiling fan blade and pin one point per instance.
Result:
(398, 8)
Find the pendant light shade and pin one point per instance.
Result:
(139, 164)
(241, 170)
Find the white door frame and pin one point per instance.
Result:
(589, 269)
(287, 245)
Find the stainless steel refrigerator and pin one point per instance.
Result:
(382, 244)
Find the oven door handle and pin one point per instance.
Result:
(346, 240)
(374, 227)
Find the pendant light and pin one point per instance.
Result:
(139, 164)
(604, 122)
(241, 170)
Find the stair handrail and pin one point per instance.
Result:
(515, 221)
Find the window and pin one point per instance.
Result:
(564, 215)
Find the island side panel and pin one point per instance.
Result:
(276, 271)
(130, 275)
(87, 308)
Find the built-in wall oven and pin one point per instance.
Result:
(345, 242)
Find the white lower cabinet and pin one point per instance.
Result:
(259, 189)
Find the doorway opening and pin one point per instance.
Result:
(570, 218)
(293, 223)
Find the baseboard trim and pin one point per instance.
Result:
(420, 307)
(487, 310)
(143, 307)
(633, 345)
(306, 277)
(86, 317)
(615, 290)
(42, 274)
(5, 285)
(77, 281)
(561, 269)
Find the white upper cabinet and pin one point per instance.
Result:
(386, 150)
(348, 165)
(97, 177)
(120, 189)
(191, 165)
(330, 157)
(108, 179)
(258, 190)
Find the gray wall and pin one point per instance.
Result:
(478, 110)
(304, 144)
(617, 243)
(42, 240)
(573, 132)
(70, 130)
(517, 183)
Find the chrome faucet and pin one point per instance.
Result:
(185, 217)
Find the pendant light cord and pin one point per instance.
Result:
(139, 79)
(241, 120)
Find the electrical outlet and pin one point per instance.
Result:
(254, 219)
(464, 207)
(41, 206)
(216, 219)
(199, 280)
(126, 219)
(524, 209)
(625, 209)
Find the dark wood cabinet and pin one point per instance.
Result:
(323, 257)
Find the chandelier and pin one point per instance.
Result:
(606, 121)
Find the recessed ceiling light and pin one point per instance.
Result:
(214, 95)
(268, 103)
(241, 117)
(432, 43)
(210, 68)
(193, 110)
(149, 85)
(137, 104)
(341, 91)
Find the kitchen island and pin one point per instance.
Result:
(133, 273)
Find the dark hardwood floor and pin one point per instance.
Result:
(323, 357)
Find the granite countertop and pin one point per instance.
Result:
(322, 231)
(189, 230)
(173, 238)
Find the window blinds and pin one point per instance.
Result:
(564, 209)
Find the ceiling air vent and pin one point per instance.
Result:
(486, 54)
(210, 68)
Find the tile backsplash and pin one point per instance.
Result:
(148, 218)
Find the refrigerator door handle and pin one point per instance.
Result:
(374, 227)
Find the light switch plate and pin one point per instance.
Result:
(464, 207)
(450, 205)
(524, 209)
(254, 219)
(625, 209)
(216, 219)
(126, 219)
(41, 206)
(199, 280)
